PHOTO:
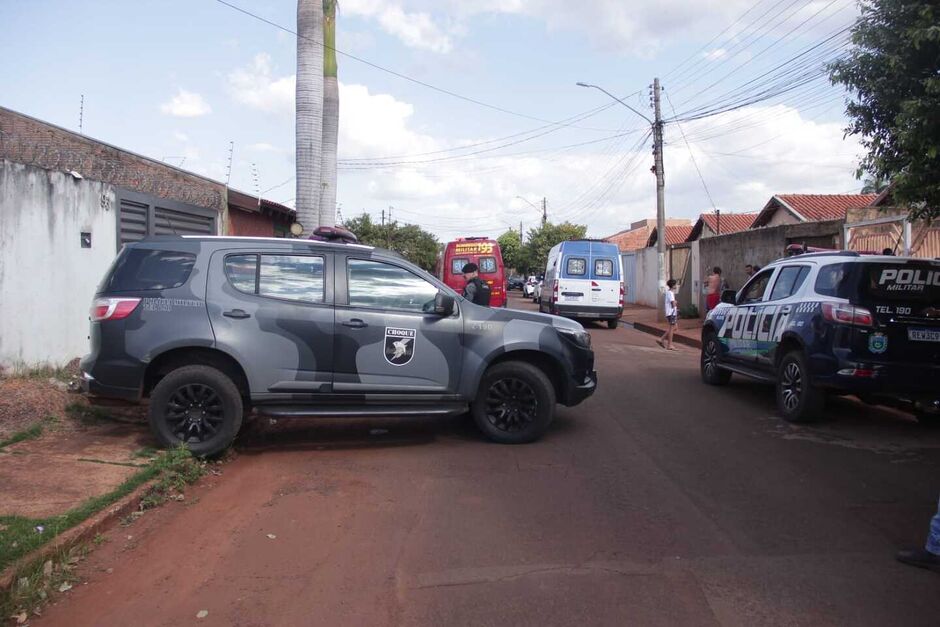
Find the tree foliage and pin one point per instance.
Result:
(893, 74)
(409, 240)
(540, 240)
(511, 248)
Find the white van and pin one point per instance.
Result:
(584, 280)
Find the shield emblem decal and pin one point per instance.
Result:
(399, 345)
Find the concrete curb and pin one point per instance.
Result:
(681, 339)
(81, 532)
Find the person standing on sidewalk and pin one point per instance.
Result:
(672, 316)
(929, 556)
(713, 287)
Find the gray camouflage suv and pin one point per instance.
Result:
(210, 327)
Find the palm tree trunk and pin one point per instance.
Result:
(330, 116)
(309, 111)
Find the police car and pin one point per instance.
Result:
(832, 323)
(208, 328)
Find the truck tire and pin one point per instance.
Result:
(515, 403)
(711, 351)
(613, 323)
(198, 406)
(797, 400)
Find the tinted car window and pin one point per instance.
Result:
(603, 267)
(754, 291)
(456, 265)
(288, 277)
(835, 280)
(789, 281)
(488, 265)
(914, 282)
(291, 277)
(139, 269)
(242, 272)
(576, 266)
(377, 285)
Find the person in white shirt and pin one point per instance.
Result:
(672, 315)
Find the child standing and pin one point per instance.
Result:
(672, 315)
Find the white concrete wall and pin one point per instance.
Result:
(647, 277)
(47, 280)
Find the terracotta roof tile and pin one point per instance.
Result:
(730, 222)
(631, 239)
(817, 207)
(675, 234)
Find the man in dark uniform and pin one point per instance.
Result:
(476, 291)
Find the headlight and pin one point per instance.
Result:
(579, 337)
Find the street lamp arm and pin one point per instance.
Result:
(579, 84)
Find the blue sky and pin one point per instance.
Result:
(173, 79)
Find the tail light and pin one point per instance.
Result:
(844, 313)
(555, 291)
(113, 308)
(620, 304)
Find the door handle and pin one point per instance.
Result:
(238, 314)
(355, 323)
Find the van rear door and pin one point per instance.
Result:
(904, 298)
(605, 280)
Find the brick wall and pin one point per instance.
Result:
(248, 223)
(32, 142)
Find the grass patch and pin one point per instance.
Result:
(87, 414)
(30, 433)
(33, 587)
(59, 373)
(173, 470)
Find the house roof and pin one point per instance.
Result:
(674, 235)
(630, 239)
(812, 207)
(722, 223)
(251, 203)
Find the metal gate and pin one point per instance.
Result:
(629, 276)
(141, 215)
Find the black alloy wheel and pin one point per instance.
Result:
(194, 413)
(198, 406)
(511, 404)
(798, 400)
(711, 355)
(515, 403)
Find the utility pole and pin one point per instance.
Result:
(520, 232)
(388, 232)
(544, 211)
(660, 188)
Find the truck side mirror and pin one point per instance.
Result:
(729, 296)
(443, 304)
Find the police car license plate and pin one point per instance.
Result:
(923, 335)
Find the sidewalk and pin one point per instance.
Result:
(644, 319)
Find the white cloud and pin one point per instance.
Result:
(186, 104)
(414, 29)
(714, 55)
(761, 151)
(256, 86)
(263, 147)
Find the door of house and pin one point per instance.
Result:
(629, 277)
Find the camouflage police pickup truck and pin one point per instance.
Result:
(210, 327)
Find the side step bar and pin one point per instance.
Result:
(749, 372)
(347, 411)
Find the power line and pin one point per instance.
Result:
(691, 155)
(400, 75)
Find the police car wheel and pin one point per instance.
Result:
(711, 352)
(797, 400)
(198, 406)
(515, 403)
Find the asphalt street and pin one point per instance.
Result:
(659, 501)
